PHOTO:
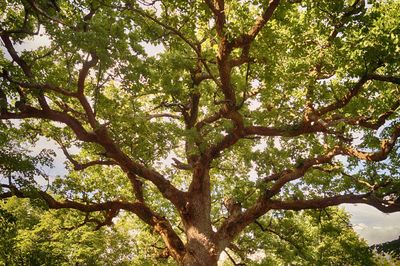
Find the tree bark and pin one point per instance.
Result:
(201, 248)
(199, 260)
(200, 252)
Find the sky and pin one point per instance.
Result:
(371, 224)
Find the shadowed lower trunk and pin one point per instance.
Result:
(199, 254)
(201, 248)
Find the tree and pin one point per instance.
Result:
(258, 106)
(391, 248)
(323, 237)
(32, 236)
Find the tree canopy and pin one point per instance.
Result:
(249, 108)
(391, 248)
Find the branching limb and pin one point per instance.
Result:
(137, 186)
(355, 91)
(151, 116)
(180, 165)
(40, 11)
(346, 99)
(24, 29)
(290, 131)
(247, 38)
(31, 112)
(209, 120)
(365, 121)
(355, 8)
(218, 9)
(81, 166)
(164, 25)
(385, 78)
(108, 216)
(381, 119)
(281, 237)
(14, 55)
(83, 73)
(101, 137)
(229, 230)
(232, 259)
(299, 171)
(111, 208)
(235, 224)
(38, 86)
(386, 147)
(385, 206)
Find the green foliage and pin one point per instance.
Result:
(126, 118)
(391, 248)
(16, 162)
(322, 237)
(34, 236)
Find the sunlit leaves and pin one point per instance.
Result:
(171, 91)
(311, 237)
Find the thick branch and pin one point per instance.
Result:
(31, 112)
(386, 147)
(40, 11)
(38, 86)
(87, 65)
(354, 92)
(235, 224)
(370, 199)
(228, 141)
(11, 50)
(137, 186)
(83, 73)
(232, 138)
(299, 171)
(290, 131)
(170, 192)
(101, 137)
(247, 38)
(81, 166)
(218, 9)
(208, 120)
(385, 78)
(157, 222)
(151, 116)
(228, 231)
(365, 121)
(346, 99)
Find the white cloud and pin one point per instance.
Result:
(372, 225)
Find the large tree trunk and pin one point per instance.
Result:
(198, 260)
(199, 254)
(201, 247)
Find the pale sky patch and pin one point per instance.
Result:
(373, 225)
(29, 44)
(254, 104)
(151, 49)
